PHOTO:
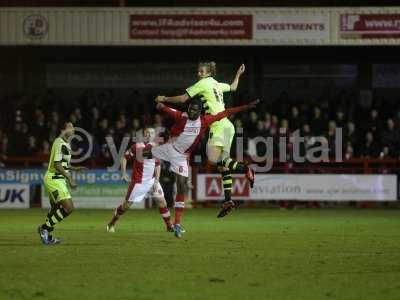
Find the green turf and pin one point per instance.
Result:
(251, 254)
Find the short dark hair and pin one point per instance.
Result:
(64, 125)
(195, 101)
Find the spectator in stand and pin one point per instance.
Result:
(101, 131)
(365, 137)
(260, 130)
(53, 131)
(385, 153)
(238, 124)
(294, 119)
(350, 134)
(44, 153)
(122, 119)
(158, 124)
(106, 148)
(251, 125)
(45, 150)
(3, 147)
(331, 137)
(18, 116)
(284, 128)
(306, 130)
(370, 148)
(274, 128)
(284, 132)
(262, 133)
(32, 146)
(390, 138)
(54, 119)
(2, 134)
(306, 134)
(39, 127)
(94, 120)
(374, 124)
(18, 140)
(79, 122)
(267, 121)
(349, 151)
(253, 149)
(340, 119)
(119, 132)
(136, 131)
(317, 123)
(73, 119)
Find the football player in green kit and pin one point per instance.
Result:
(58, 182)
(222, 132)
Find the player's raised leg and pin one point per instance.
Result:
(219, 149)
(218, 152)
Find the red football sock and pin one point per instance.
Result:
(117, 213)
(164, 212)
(179, 206)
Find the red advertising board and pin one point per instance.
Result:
(367, 26)
(213, 186)
(191, 26)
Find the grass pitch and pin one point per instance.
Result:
(251, 254)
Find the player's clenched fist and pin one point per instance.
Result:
(160, 99)
(253, 104)
(241, 69)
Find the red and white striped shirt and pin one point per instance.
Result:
(186, 133)
(144, 169)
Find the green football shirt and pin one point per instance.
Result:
(60, 151)
(210, 92)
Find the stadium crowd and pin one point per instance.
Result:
(29, 123)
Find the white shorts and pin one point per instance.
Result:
(178, 161)
(138, 191)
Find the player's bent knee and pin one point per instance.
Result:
(68, 205)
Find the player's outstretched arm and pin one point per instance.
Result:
(174, 99)
(235, 82)
(230, 111)
(172, 113)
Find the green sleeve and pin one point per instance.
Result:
(195, 89)
(57, 151)
(224, 87)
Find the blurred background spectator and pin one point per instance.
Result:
(361, 137)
